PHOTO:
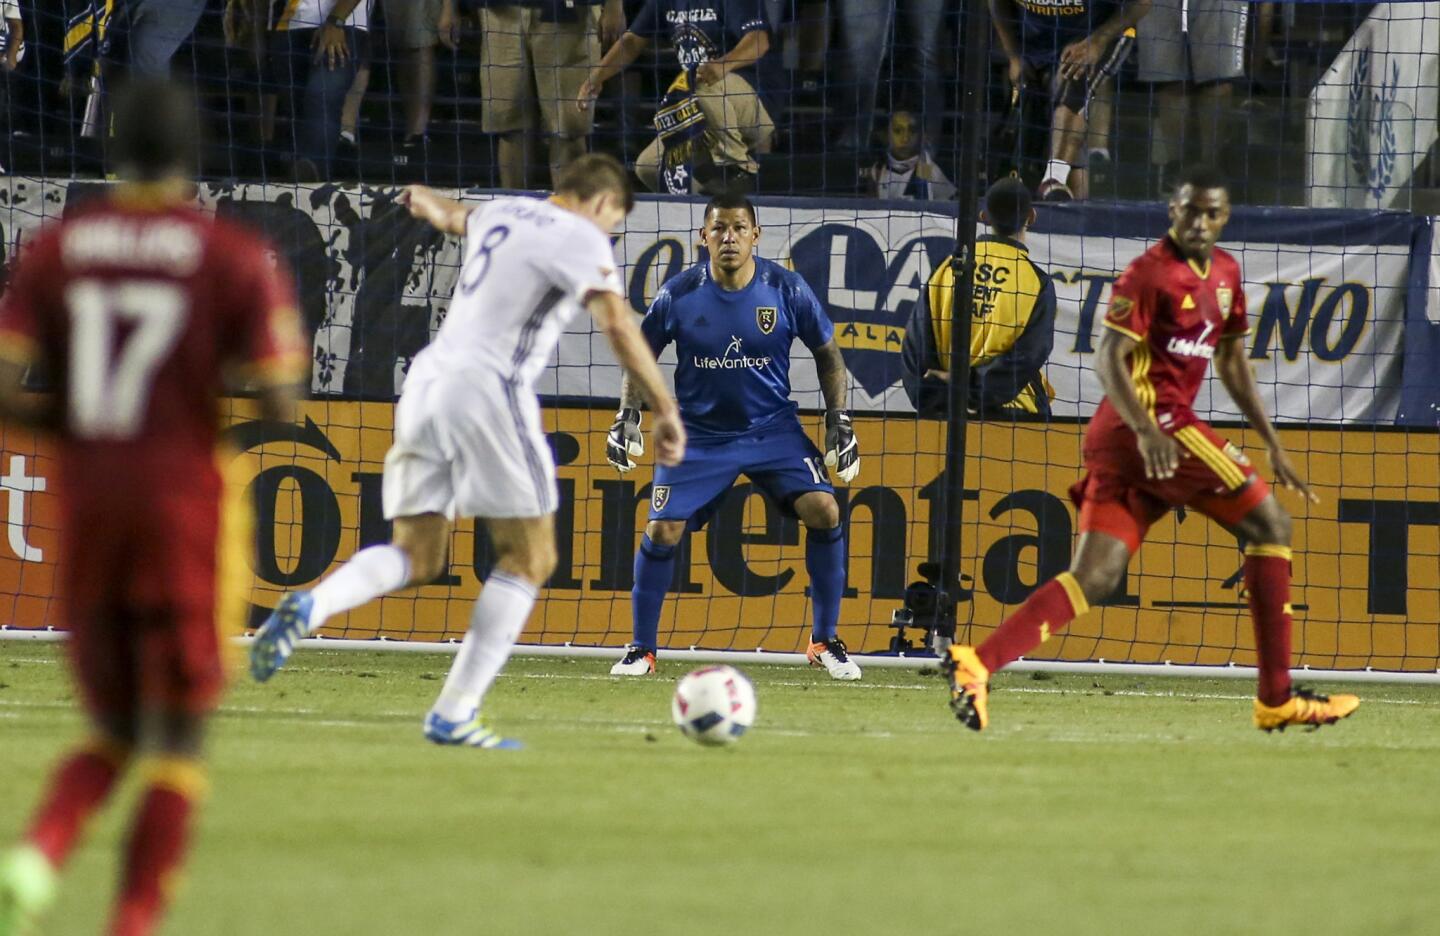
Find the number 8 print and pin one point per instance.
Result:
(479, 264)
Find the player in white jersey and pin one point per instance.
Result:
(468, 436)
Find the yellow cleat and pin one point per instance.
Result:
(1305, 708)
(969, 686)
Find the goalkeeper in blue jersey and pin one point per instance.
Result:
(733, 320)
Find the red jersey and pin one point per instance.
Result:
(1178, 311)
(141, 314)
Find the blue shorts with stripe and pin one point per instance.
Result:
(780, 461)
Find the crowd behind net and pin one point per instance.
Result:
(847, 132)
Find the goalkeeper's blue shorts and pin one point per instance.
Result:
(781, 461)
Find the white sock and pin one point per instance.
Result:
(499, 616)
(1057, 171)
(370, 573)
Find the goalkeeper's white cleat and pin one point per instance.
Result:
(28, 884)
(637, 661)
(277, 637)
(832, 655)
(471, 732)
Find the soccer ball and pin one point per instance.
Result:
(714, 705)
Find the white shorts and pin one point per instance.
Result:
(469, 444)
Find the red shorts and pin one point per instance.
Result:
(1214, 478)
(149, 583)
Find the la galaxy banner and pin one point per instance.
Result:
(1328, 292)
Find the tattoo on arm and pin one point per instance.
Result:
(834, 380)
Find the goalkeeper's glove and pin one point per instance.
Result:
(624, 440)
(841, 453)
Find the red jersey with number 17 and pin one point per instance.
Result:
(1178, 310)
(140, 312)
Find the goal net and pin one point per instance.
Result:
(1339, 284)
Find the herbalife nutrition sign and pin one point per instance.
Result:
(1372, 116)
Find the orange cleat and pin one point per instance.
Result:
(969, 686)
(1305, 708)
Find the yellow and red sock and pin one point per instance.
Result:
(1267, 579)
(1052, 606)
(81, 785)
(156, 849)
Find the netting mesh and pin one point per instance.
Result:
(1332, 107)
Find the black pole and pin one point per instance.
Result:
(975, 55)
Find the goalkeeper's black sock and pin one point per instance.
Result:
(654, 567)
(825, 561)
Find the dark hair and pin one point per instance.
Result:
(729, 201)
(594, 173)
(157, 129)
(1007, 204)
(1201, 178)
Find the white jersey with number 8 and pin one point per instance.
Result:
(469, 441)
(529, 264)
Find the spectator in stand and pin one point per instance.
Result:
(1193, 52)
(12, 47)
(153, 30)
(412, 30)
(307, 48)
(350, 110)
(1052, 48)
(908, 171)
(12, 35)
(811, 29)
(715, 118)
(1012, 322)
(534, 57)
(865, 32)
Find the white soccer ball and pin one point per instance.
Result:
(714, 705)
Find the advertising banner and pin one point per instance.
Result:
(1327, 291)
(1367, 591)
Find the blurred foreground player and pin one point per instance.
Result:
(468, 436)
(1176, 306)
(142, 311)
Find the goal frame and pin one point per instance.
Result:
(698, 655)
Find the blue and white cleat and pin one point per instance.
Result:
(471, 733)
(276, 639)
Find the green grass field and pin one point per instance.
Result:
(1106, 806)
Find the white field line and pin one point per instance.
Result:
(942, 726)
(611, 726)
(835, 686)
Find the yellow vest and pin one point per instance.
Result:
(1007, 285)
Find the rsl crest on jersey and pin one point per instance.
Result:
(765, 318)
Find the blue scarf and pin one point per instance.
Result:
(680, 125)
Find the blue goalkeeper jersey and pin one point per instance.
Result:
(732, 375)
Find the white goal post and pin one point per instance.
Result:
(900, 661)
